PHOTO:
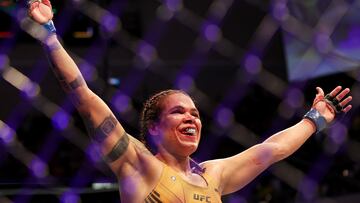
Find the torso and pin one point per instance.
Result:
(144, 177)
(154, 179)
(173, 188)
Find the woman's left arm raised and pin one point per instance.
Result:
(235, 172)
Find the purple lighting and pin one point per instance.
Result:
(60, 120)
(129, 185)
(280, 11)
(87, 71)
(185, 82)
(164, 13)
(6, 134)
(352, 41)
(237, 199)
(109, 22)
(307, 188)
(146, 52)
(3, 62)
(31, 90)
(338, 133)
(323, 42)
(212, 33)
(70, 197)
(224, 117)
(38, 168)
(173, 5)
(93, 152)
(121, 102)
(252, 64)
(295, 98)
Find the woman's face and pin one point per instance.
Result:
(179, 126)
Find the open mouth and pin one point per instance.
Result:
(189, 131)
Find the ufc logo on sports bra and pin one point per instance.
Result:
(202, 198)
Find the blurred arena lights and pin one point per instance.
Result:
(222, 52)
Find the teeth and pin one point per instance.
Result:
(190, 130)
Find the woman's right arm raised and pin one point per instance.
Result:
(119, 148)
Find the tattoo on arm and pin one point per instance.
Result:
(79, 81)
(104, 129)
(119, 149)
(68, 87)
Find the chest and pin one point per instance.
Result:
(173, 188)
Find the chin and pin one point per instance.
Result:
(187, 145)
(189, 148)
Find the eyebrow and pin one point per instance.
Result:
(181, 107)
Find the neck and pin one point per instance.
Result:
(178, 163)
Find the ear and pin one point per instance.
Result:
(153, 129)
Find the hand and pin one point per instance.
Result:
(40, 11)
(325, 108)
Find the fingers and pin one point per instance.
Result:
(320, 91)
(30, 2)
(32, 6)
(342, 94)
(336, 99)
(345, 102)
(35, 3)
(346, 109)
(335, 91)
(46, 2)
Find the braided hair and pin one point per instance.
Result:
(151, 113)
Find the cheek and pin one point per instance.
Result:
(168, 125)
(171, 121)
(199, 123)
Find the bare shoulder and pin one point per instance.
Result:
(213, 169)
(140, 159)
(141, 173)
(212, 165)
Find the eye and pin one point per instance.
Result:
(177, 111)
(196, 114)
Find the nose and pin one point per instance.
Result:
(189, 118)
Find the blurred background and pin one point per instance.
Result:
(251, 65)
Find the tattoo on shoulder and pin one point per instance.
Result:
(105, 128)
(119, 149)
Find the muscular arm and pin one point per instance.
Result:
(237, 171)
(103, 127)
(66, 71)
(127, 157)
(97, 116)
